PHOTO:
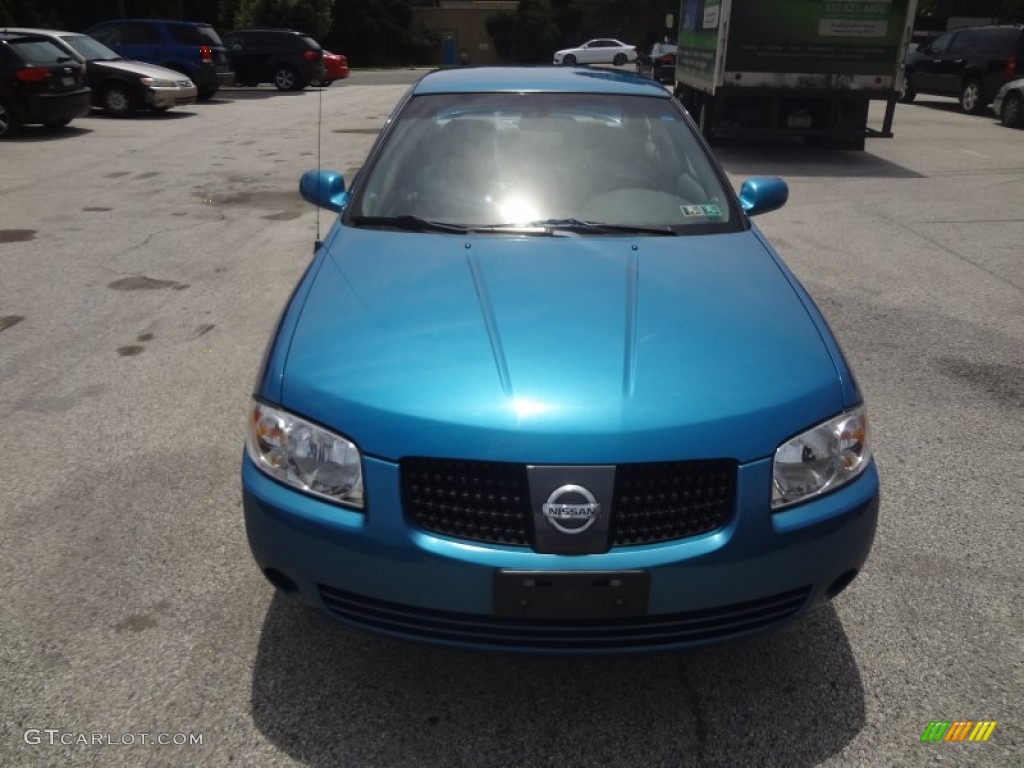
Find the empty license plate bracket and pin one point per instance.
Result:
(570, 594)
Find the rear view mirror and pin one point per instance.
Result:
(761, 194)
(324, 189)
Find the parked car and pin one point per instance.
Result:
(971, 63)
(118, 85)
(546, 387)
(192, 48)
(39, 84)
(335, 68)
(600, 51)
(1009, 103)
(659, 64)
(288, 59)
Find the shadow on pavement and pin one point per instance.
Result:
(797, 159)
(240, 93)
(328, 695)
(29, 134)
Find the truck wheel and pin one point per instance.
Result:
(972, 96)
(705, 117)
(908, 95)
(1012, 114)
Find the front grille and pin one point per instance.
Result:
(671, 500)
(477, 500)
(651, 632)
(489, 501)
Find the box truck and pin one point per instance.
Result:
(806, 68)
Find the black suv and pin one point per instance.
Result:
(288, 59)
(971, 63)
(39, 83)
(192, 48)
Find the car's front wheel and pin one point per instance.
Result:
(285, 79)
(9, 123)
(116, 100)
(972, 96)
(1012, 113)
(619, 60)
(569, 60)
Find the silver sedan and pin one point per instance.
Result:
(603, 50)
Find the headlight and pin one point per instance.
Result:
(305, 456)
(153, 82)
(821, 459)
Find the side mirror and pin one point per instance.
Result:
(325, 189)
(761, 194)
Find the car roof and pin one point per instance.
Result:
(986, 27)
(154, 21)
(11, 36)
(40, 31)
(548, 79)
(269, 29)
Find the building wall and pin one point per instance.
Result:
(463, 21)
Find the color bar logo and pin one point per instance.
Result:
(959, 730)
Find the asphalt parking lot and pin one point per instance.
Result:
(143, 263)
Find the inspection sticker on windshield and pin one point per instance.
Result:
(705, 211)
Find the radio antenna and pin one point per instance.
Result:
(319, 123)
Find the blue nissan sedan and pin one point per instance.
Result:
(545, 387)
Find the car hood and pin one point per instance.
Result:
(141, 68)
(557, 350)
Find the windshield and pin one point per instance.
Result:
(89, 49)
(499, 159)
(199, 34)
(40, 51)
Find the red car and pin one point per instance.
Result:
(335, 68)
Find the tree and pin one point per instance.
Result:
(379, 31)
(528, 35)
(310, 16)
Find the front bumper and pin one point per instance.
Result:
(997, 102)
(376, 571)
(162, 98)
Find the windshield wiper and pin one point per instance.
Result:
(598, 228)
(409, 224)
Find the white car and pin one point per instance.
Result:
(601, 51)
(1009, 103)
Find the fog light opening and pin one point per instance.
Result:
(280, 581)
(841, 583)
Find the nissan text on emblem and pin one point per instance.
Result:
(571, 509)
